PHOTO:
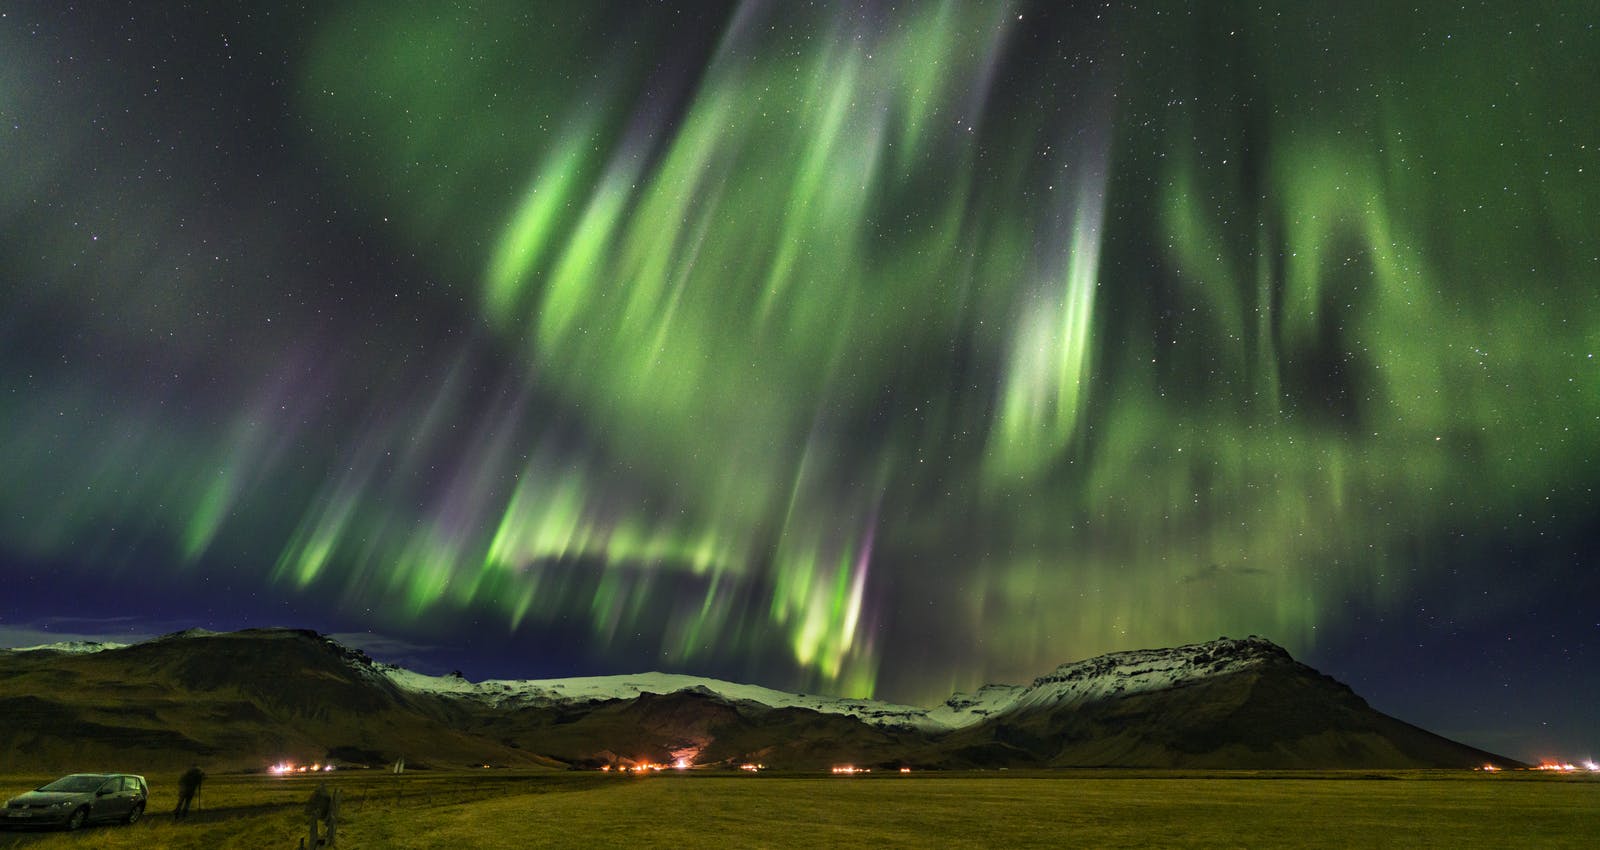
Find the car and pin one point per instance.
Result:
(78, 799)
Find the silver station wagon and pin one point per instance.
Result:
(80, 798)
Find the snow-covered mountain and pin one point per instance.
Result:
(1112, 675)
(511, 693)
(73, 647)
(243, 700)
(1116, 674)
(1078, 682)
(89, 647)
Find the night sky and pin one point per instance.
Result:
(852, 346)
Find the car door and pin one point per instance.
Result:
(132, 793)
(110, 801)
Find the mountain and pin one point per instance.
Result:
(508, 693)
(246, 699)
(1224, 704)
(234, 700)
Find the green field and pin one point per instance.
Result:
(1084, 808)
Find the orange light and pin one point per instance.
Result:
(905, 770)
(683, 757)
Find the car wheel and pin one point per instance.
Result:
(134, 814)
(78, 819)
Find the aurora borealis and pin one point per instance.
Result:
(862, 347)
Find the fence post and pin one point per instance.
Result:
(333, 816)
(323, 806)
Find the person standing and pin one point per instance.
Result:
(188, 788)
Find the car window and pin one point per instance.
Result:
(113, 785)
(76, 783)
(130, 784)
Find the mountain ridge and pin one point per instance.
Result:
(248, 697)
(1127, 671)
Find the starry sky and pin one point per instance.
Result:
(852, 346)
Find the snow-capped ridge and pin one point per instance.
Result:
(410, 680)
(1140, 671)
(195, 632)
(1195, 659)
(584, 689)
(1103, 677)
(71, 647)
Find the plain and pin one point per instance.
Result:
(516, 809)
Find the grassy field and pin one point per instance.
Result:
(1087, 808)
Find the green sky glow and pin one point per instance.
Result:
(843, 326)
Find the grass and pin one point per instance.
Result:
(510, 809)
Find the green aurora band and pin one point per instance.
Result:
(846, 325)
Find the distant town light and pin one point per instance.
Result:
(283, 768)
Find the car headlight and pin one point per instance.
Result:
(61, 805)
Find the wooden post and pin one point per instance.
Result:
(323, 806)
(333, 816)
